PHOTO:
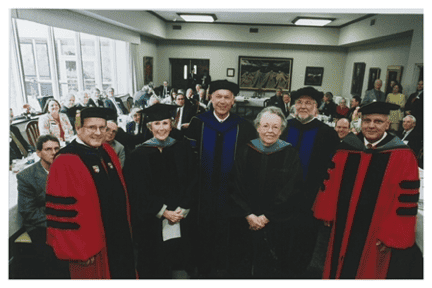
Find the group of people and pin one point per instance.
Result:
(206, 191)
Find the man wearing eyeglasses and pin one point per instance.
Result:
(316, 142)
(87, 204)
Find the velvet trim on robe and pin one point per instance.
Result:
(369, 196)
(216, 144)
(88, 212)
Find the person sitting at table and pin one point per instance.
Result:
(342, 109)
(329, 108)
(55, 123)
(133, 126)
(69, 108)
(111, 133)
(31, 207)
(18, 146)
(266, 190)
(160, 178)
(84, 100)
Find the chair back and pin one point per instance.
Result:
(32, 130)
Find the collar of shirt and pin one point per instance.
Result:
(366, 142)
(221, 120)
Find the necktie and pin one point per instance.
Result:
(177, 118)
(19, 145)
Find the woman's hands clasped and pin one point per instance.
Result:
(257, 222)
(173, 216)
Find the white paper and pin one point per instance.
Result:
(170, 231)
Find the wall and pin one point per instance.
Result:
(147, 48)
(380, 55)
(225, 55)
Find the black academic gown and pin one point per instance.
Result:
(316, 143)
(265, 184)
(215, 145)
(155, 179)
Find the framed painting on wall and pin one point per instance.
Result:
(314, 76)
(148, 69)
(374, 74)
(394, 74)
(357, 78)
(267, 74)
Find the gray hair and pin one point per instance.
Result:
(412, 118)
(271, 110)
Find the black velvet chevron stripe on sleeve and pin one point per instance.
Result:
(61, 213)
(406, 198)
(407, 184)
(60, 200)
(63, 225)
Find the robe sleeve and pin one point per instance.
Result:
(74, 225)
(397, 230)
(325, 205)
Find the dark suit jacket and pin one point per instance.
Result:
(414, 140)
(31, 196)
(370, 96)
(130, 127)
(14, 152)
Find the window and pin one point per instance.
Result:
(33, 42)
(52, 61)
(65, 43)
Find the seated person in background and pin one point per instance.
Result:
(55, 123)
(355, 102)
(142, 96)
(375, 94)
(109, 101)
(329, 108)
(202, 98)
(287, 107)
(18, 147)
(342, 109)
(133, 127)
(195, 95)
(84, 99)
(411, 136)
(276, 100)
(183, 113)
(31, 207)
(95, 98)
(342, 128)
(111, 133)
(171, 98)
(69, 108)
(355, 124)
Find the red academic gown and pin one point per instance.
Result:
(370, 196)
(76, 228)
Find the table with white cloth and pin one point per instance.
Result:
(248, 107)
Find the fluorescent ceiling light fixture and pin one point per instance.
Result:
(198, 17)
(305, 21)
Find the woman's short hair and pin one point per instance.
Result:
(45, 110)
(148, 124)
(271, 110)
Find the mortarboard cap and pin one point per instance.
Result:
(158, 112)
(94, 112)
(307, 91)
(378, 108)
(111, 115)
(224, 84)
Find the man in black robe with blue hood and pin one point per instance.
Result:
(316, 143)
(215, 135)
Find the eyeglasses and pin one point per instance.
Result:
(266, 127)
(93, 129)
(306, 102)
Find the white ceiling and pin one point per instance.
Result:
(260, 17)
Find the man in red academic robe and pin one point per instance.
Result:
(370, 200)
(87, 207)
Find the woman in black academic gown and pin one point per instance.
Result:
(265, 188)
(160, 178)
